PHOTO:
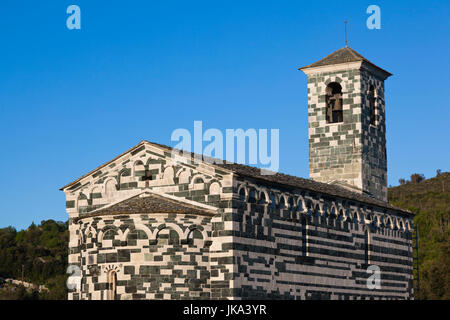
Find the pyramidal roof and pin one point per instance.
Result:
(343, 55)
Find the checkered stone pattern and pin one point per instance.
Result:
(297, 244)
(154, 256)
(280, 238)
(149, 278)
(351, 151)
(374, 164)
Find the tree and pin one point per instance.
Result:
(417, 178)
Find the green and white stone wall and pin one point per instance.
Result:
(298, 244)
(350, 152)
(151, 268)
(263, 240)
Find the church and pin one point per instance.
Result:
(144, 226)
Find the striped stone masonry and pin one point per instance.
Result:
(143, 226)
(351, 152)
(298, 244)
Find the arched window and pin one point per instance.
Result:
(195, 237)
(112, 285)
(109, 234)
(334, 103)
(198, 180)
(242, 194)
(108, 238)
(110, 188)
(262, 198)
(252, 196)
(372, 106)
(300, 205)
(139, 169)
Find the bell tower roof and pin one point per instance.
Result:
(343, 55)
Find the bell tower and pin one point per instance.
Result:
(346, 118)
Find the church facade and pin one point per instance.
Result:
(147, 226)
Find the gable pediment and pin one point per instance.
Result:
(150, 202)
(145, 166)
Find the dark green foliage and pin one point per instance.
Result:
(42, 250)
(430, 201)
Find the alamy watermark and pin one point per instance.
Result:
(374, 280)
(74, 280)
(74, 20)
(236, 144)
(374, 20)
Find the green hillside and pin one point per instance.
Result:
(42, 251)
(430, 200)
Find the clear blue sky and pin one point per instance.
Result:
(71, 100)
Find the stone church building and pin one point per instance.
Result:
(143, 226)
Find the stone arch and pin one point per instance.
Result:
(263, 197)
(124, 172)
(196, 235)
(401, 224)
(184, 175)
(348, 215)
(334, 103)
(133, 236)
(105, 230)
(368, 215)
(333, 79)
(112, 285)
(252, 195)
(169, 235)
(333, 210)
(242, 192)
(356, 215)
(408, 225)
(309, 206)
(138, 169)
(317, 209)
(395, 223)
(388, 222)
(197, 179)
(215, 188)
(301, 204)
(378, 221)
(110, 187)
(169, 174)
(282, 202)
(141, 227)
